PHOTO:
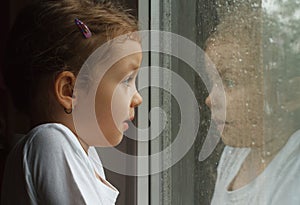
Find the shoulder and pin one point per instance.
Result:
(49, 134)
(288, 159)
(287, 189)
(286, 172)
(49, 139)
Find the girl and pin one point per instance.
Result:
(260, 163)
(53, 163)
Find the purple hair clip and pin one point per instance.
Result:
(83, 28)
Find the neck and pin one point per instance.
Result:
(83, 144)
(260, 157)
(272, 145)
(62, 118)
(71, 126)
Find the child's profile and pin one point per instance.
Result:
(48, 45)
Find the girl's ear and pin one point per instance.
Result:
(63, 89)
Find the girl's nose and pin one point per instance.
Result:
(208, 101)
(136, 100)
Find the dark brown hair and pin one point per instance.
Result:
(45, 41)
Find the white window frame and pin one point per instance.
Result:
(148, 187)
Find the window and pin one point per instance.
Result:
(254, 46)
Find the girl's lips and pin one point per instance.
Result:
(221, 124)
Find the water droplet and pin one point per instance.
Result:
(255, 5)
(268, 109)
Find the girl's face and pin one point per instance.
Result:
(244, 99)
(117, 97)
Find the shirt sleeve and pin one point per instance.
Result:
(288, 188)
(49, 159)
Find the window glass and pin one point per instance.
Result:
(254, 47)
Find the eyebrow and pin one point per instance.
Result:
(134, 65)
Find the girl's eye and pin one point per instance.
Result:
(229, 83)
(128, 80)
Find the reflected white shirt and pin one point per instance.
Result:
(278, 184)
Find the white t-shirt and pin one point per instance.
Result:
(278, 184)
(49, 166)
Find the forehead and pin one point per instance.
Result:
(236, 58)
(131, 61)
(126, 65)
(116, 51)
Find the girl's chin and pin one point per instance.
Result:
(114, 142)
(237, 142)
(125, 126)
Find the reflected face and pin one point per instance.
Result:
(242, 83)
(117, 97)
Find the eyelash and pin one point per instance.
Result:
(128, 80)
